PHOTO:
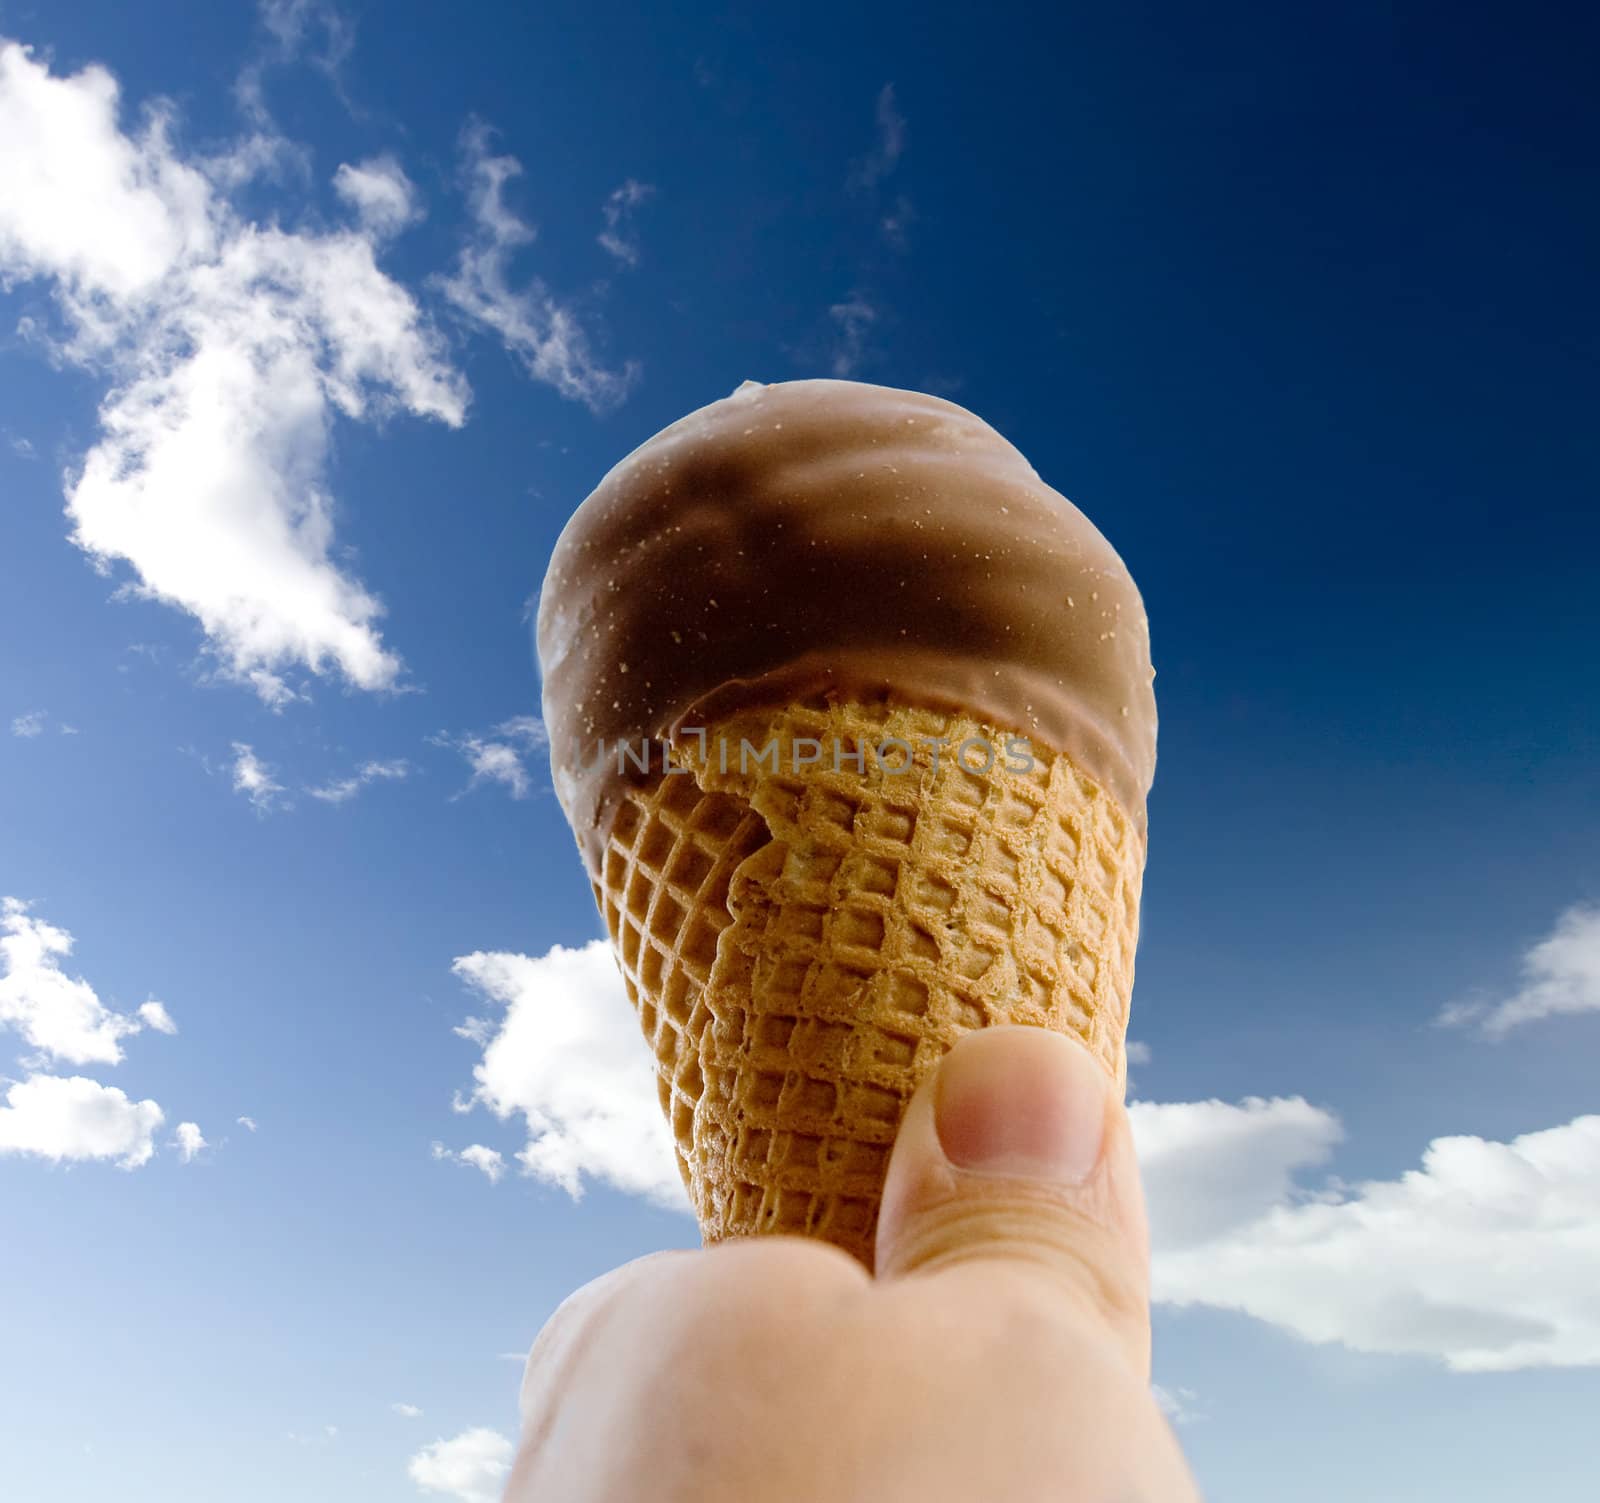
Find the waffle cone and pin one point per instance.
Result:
(803, 944)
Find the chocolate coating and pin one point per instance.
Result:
(843, 538)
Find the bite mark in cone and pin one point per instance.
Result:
(803, 943)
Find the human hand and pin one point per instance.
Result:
(1000, 1355)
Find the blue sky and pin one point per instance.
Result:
(296, 391)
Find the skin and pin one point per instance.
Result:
(1001, 1352)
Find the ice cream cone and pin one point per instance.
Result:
(818, 901)
(852, 717)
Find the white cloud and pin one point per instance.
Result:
(1210, 1167)
(1483, 1258)
(343, 789)
(248, 1123)
(568, 1057)
(154, 1015)
(1138, 1053)
(253, 778)
(886, 150)
(409, 1411)
(1561, 976)
(209, 477)
(854, 317)
(384, 198)
(58, 1014)
(541, 332)
(487, 1161)
(20, 446)
(68, 172)
(617, 237)
(497, 756)
(189, 1140)
(230, 349)
(472, 1466)
(69, 1117)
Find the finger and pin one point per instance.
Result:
(634, 1374)
(1015, 1160)
(564, 1386)
(574, 1329)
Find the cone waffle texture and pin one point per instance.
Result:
(803, 944)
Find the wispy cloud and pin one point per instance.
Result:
(248, 1123)
(312, 32)
(407, 1411)
(498, 756)
(1178, 1404)
(384, 198)
(290, 31)
(617, 237)
(323, 1437)
(229, 348)
(853, 319)
(314, 29)
(34, 723)
(1560, 977)
(255, 779)
(489, 1162)
(870, 170)
(868, 175)
(343, 789)
(545, 335)
(896, 221)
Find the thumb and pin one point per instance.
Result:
(1015, 1158)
